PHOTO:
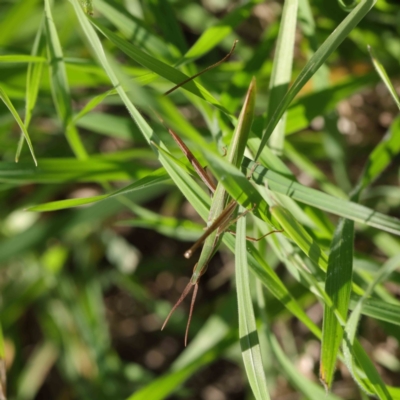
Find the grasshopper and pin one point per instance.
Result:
(222, 209)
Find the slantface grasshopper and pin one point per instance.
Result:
(222, 209)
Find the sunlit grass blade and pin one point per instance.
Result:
(380, 69)
(235, 184)
(157, 66)
(21, 58)
(57, 170)
(59, 84)
(97, 47)
(155, 178)
(338, 288)
(300, 236)
(320, 56)
(94, 102)
(343, 208)
(378, 309)
(7, 102)
(248, 334)
(269, 278)
(33, 78)
(372, 382)
(282, 71)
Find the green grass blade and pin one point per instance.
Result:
(21, 58)
(160, 68)
(11, 22)
(93, 103)
(215, 34)
(155, 178)
(320, 56)
(372, 381)
(268, 277)
(282, 71)
(7, 102)
(59, 84)
(33, 78)
(309, 389)
(58, 170)
(249, 341)
(380, 158)
(100, 54)
(242, 191)
(338, 287)
(167, 23)
(135, 30)
(380, 69)
(300, 236)
(343, 208)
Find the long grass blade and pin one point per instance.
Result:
(59, 84)
(249, 341)
(7, 102)
(320, 56)
(338, 287)
(282, 71)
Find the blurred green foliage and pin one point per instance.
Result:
(84, 291)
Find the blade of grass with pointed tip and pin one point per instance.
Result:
(320, 56)
(248, 334)
(338, 287)
(59, 84)
(155, 178)
(380, 69)
(7, 102)
(282, 71)
(33, 78)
